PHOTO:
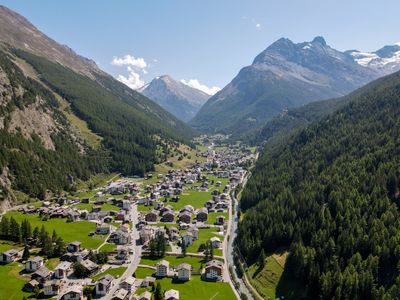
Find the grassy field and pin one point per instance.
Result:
(143, 272)
(108, 248)
(52, 263)
(204, 236)
(7, 245)
(212, 216)
(116, 272)
(11, 282)
(174, 261)
(73, 231)
(196, 289)
(272, 282)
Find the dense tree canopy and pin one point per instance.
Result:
(330, 194)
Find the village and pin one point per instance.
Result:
(136, 237)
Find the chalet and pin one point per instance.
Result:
(92, 216)
(121, 216)
(102, 229)
(52, 287)
(42, 275)
(148, 281)
(126, 204)
(215, 242)
(9, 256)
(162, 268)
(128, 284)
(34, 264)
(145, 296)
(209, 204)
(31, 286)
(185, 217)
(171, 295)
(62, 270)
(120, 237)
(103, 285)
(220, 220)
(146, 234)
(151, 216)
(74, 246)
(184, 272)
(74, 293)
(90, 266)
(168, 216)
(120, 294)
(122, 253)
(187, 238)
(85, 200)
(194, 231)
(202, 214)
(214, 270)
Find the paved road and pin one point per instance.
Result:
(134, 258)
(229, 249)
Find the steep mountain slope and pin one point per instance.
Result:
(73, 119)
(284, 75)
(330, 195)
(179, 99)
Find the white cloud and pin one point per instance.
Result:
(258, 26)
(129, 60)
(133, 80)
(194, 83)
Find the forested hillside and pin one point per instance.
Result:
(127, 121)
(330, 195)
(36, 162)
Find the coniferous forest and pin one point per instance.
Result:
(330, 196)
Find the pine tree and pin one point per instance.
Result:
(158, 294)
(261, 259)
(25, 254)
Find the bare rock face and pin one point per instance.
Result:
(18, 32)
(7, 198)
(34, 119)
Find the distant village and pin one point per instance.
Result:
(142, 213)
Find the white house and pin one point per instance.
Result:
(74, 293)
(62, 270)
(171, 295)
(52, 288)
(128, 284)
(103, 285)
(216, 242)
(34, 264)
(8, 256)
(187, 238)
(184, 272)
(162, 268)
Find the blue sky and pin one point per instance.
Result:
(207, 40)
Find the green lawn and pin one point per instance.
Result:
(7, 245)
(52, 263)
(273, 282)
(11, 282)
(108, 248)
(174, 261)
(143, 272)
(213, 216)
(83, 206)
(116, 272)
(196, 289)
(73, 231)
(189, 197)
(204, 236)
(89, 206)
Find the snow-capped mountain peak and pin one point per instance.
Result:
(385, 60)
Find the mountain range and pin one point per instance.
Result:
(286, 75)
(174, 96)
(63, 119)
